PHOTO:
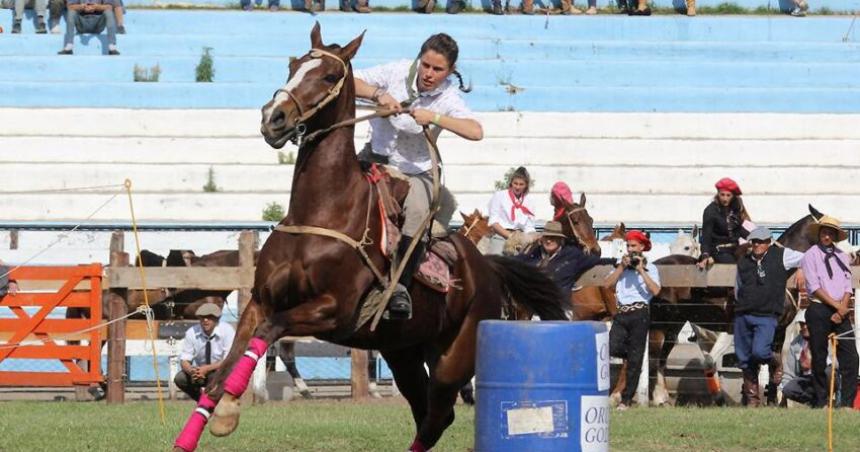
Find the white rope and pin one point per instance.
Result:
(62, 236)
(66, 190)
(141, 309)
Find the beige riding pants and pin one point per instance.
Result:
(417, 205)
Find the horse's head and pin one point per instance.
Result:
(686, 244)
(316, 79)
(577, 224)
(618, 232)
(475, 226)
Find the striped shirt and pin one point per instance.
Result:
(399, 137)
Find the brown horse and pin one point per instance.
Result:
(597, 302)
(314, 285)
(476, 228)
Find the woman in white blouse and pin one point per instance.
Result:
(511, 211)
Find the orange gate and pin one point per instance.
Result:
(35, 336)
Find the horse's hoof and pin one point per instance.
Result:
(225, 419)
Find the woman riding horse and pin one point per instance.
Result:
(316, 269)
(422, 88)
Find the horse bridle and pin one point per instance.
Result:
(470, 226)
(567, 215)
(333, 92)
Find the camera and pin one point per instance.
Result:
(635, 259)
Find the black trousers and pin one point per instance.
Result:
(819, 324)
(627, 339)
(184, 382)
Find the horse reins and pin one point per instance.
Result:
(573, 229)
(470, 226)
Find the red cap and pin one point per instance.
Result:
(640, 237)
(728, 184)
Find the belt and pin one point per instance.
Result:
(726, 246)
(622, 308)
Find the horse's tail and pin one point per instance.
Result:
(529, 286)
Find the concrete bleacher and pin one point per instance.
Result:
(643, 115)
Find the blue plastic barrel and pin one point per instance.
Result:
(542, 386)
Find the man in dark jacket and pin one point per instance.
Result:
(760, 289)
(563, 263)
(7, 284)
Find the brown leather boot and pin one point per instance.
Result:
(528, 7)
(691, 8)
(750, 390)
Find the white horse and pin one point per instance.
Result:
(687, 244)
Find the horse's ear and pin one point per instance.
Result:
(476, 212)
(316, 37)
(465, 217)
(623, 227)
(695, 232)
(815, 213)
(582, 199)
(349, 51)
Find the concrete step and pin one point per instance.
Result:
(523, 126)
(603, 207)
(641, 179)
(339, 28)
(577, 72)
(483, 98)
(572, 151)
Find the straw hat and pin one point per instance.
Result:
(826, 221)
(553, 229)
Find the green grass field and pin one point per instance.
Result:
(387, 426)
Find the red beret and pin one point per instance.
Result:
(640, 237)
(728, 184)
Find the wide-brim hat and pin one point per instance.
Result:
(826, 221)
(208, 309)
(553, 229)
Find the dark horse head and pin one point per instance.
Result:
(578, 225)
(316, 79)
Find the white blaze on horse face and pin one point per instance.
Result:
(303, 70)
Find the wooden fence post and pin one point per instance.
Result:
(248, 243)
(117, 307)
(359, 380)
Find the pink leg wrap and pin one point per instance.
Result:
(190, 434)
(417, 446)
(238, 380)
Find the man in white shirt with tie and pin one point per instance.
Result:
(203, 349)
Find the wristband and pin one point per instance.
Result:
(436, 119)
(377, 94)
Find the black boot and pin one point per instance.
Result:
(497, 8)
(400, 304)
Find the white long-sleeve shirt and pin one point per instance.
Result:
(500, 212)
(400, 138)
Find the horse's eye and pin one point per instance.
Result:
(331, 78)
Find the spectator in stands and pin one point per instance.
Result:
(40, 6)
(691, 8)
(359, 6)
(797, 367)
(562, 262)
(90, 16)
(760, 293)
(636, 282)
(800, 8)
(7, 285)
(203, 350)
(827, 270)
(722, 224)
(511, 212)
(275, 5)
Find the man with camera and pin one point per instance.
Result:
(636, 282)
(760, 300)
